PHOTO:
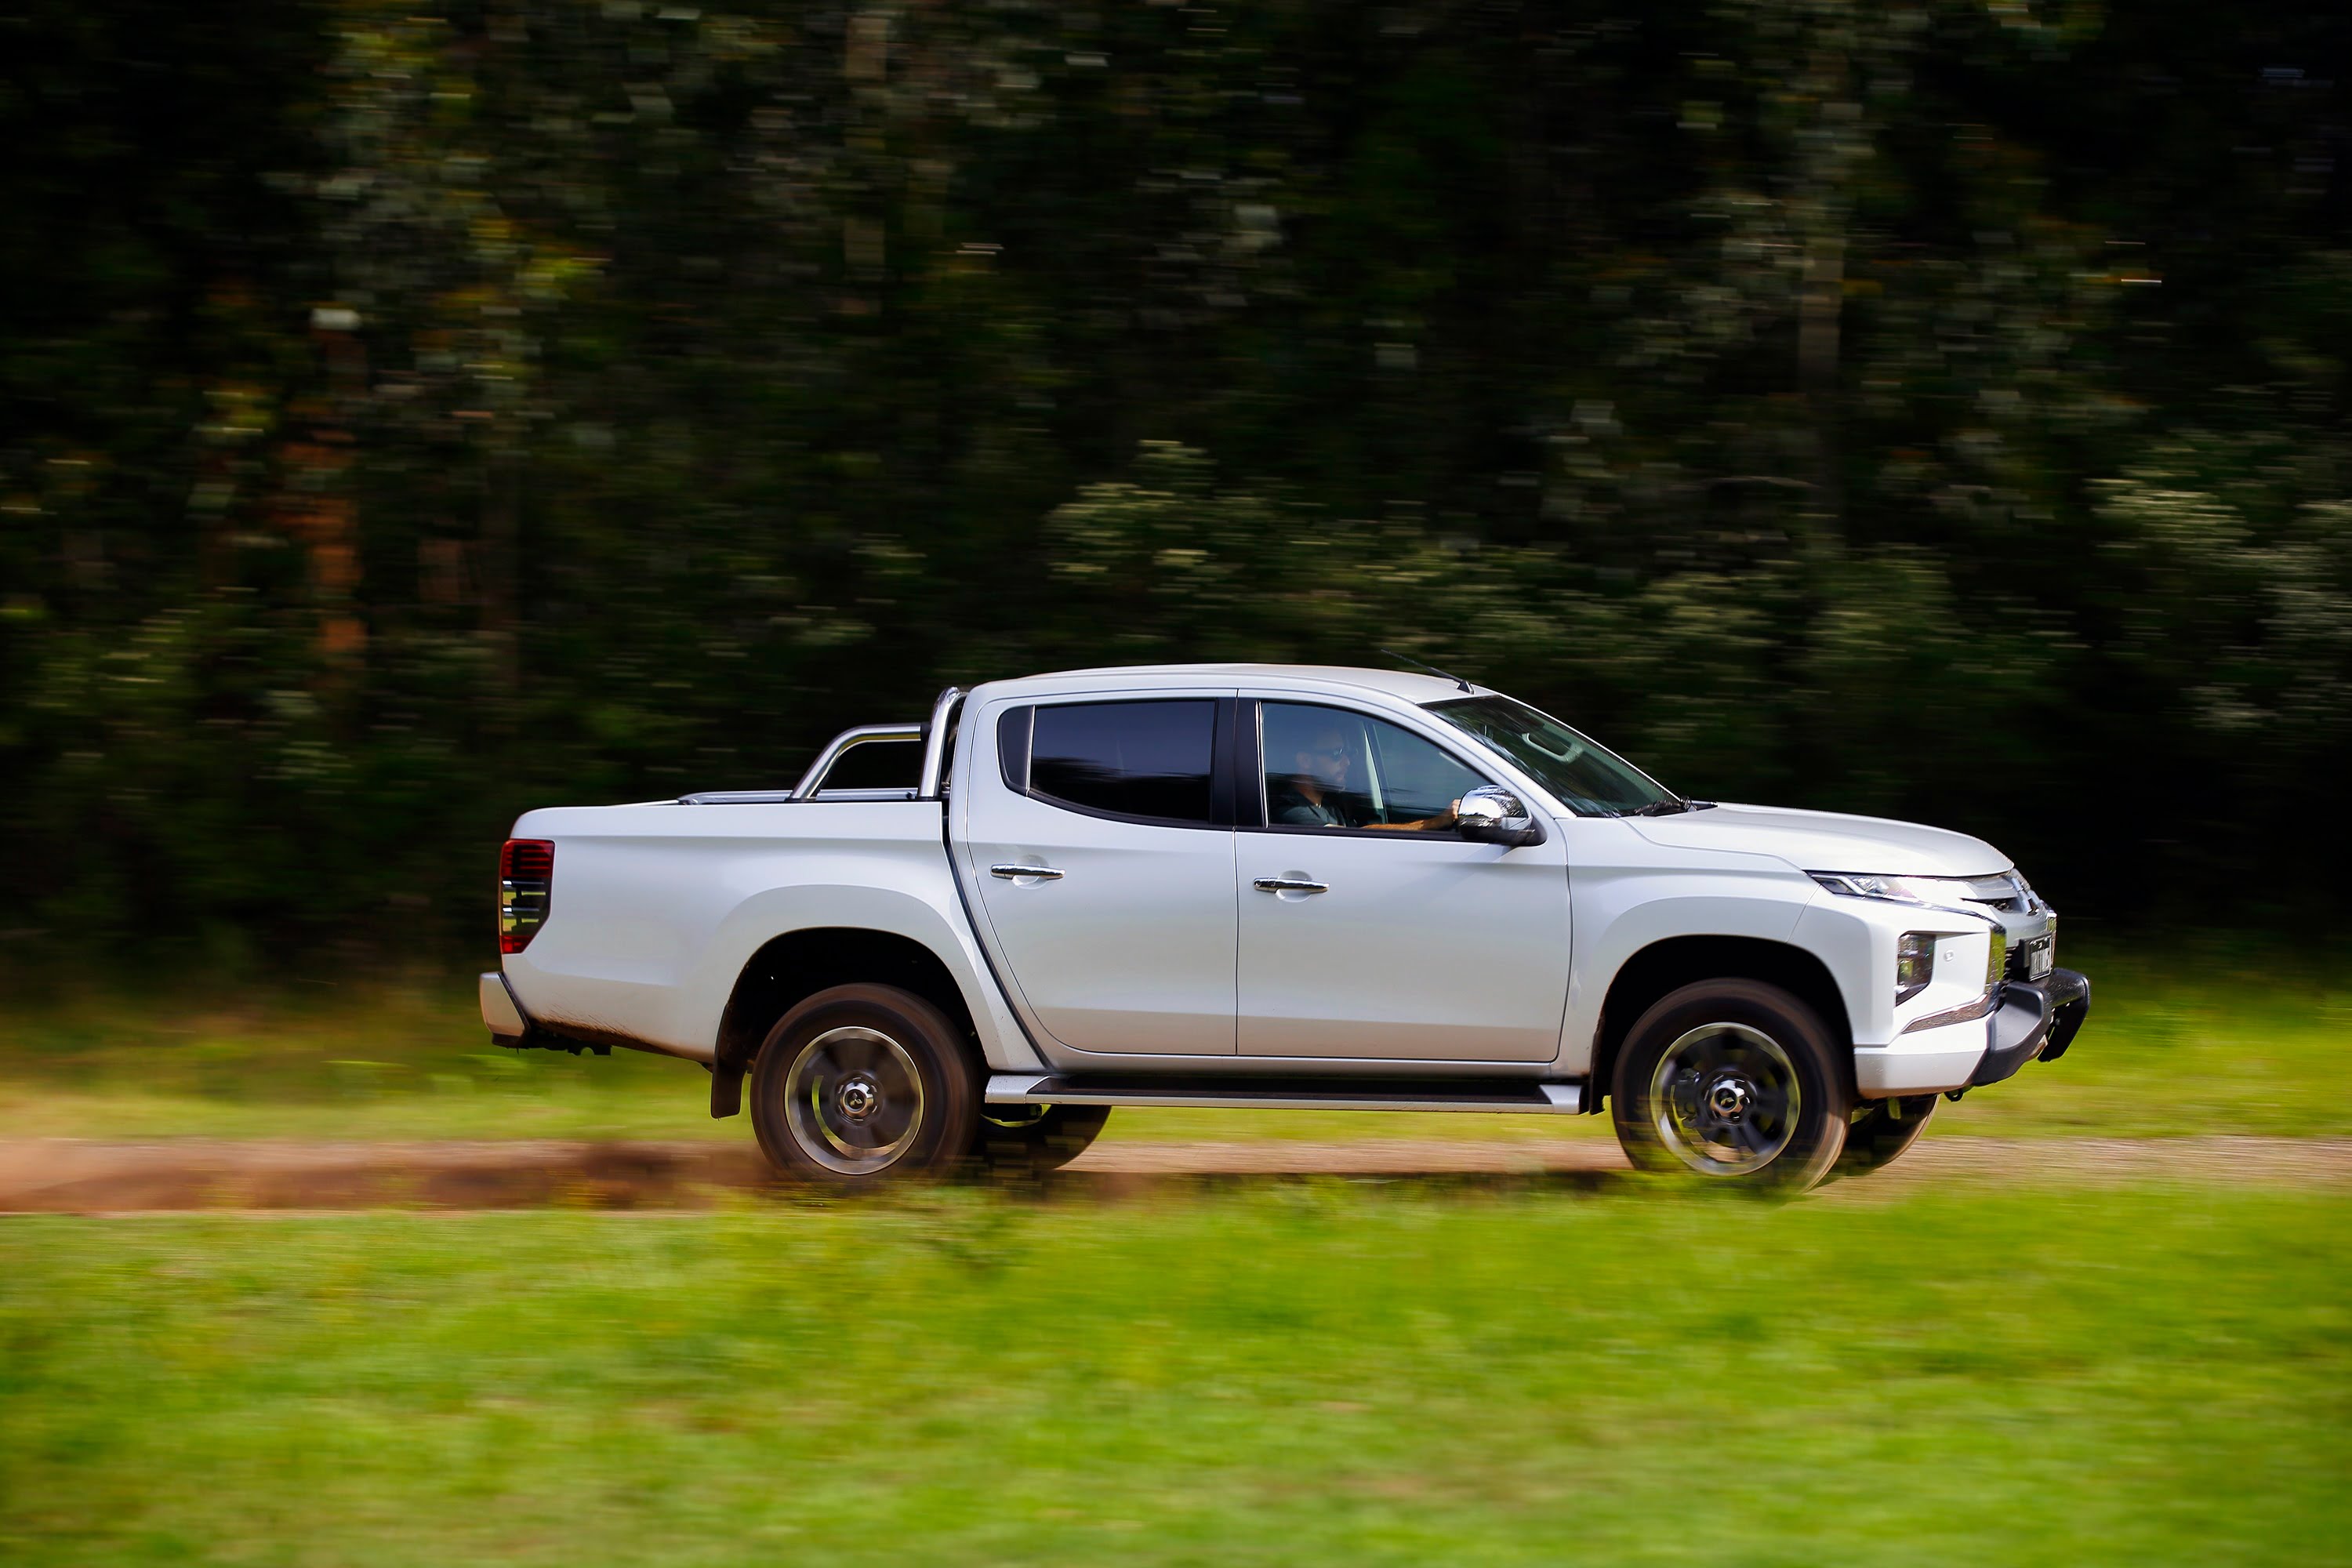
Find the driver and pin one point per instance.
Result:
(1316, 794)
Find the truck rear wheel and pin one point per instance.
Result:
(862, 1085)
(1035, 1139)
(1733, 1081)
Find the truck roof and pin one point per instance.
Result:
(1409, 685)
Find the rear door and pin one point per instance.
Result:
(1102, 851)
(1363, 936)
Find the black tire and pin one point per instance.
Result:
(864, 1085)
(1733, 1081)
(1031, 1141)
(1880, 1131)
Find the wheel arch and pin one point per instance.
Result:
(1672, 962)
(797, 964)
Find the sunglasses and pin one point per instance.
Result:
(1335, 754)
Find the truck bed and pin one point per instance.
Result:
(655, 909)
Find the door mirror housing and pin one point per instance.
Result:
(1493, 814)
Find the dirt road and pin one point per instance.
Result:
(83, 1176)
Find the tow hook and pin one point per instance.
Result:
(1955, 1093)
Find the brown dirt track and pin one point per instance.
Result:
(83, 1176)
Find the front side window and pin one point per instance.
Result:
(1148, 760)
(1331, 767)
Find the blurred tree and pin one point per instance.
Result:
(413, 413)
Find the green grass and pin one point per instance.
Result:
(368, 1061)
(1324, 1373)
(2181, 1042)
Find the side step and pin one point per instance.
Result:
(1290, 1093)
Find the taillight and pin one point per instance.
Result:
(526, 871)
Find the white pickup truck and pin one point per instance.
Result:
(1254, 885)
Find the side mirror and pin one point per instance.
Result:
(1493, 814)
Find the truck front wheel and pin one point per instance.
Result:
(1880, 1131)
(1731, 1080)
(863, 1084)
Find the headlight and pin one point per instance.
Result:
(1925, 892)
(2006, 891)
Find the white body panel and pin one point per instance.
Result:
(1131, 951)
(1926, 1062)
(1424, 948)
(1131, 948)
(1827, 841)
(1153, 951)
(1629, 891)
(657, 908)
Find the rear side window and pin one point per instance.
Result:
(1148, 760)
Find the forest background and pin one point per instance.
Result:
(411, 414)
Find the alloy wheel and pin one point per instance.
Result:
(854, 1100)
(1724, 1100)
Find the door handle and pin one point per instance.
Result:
(1042, 873)
(1290, 885)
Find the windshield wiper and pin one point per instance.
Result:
(1660, 808)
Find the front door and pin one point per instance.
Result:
(1127, 946)
(1368, 929)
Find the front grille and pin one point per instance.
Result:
(2007, 892)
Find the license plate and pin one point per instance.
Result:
(2038, 959)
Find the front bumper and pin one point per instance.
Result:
(2029, 1020)
(2036, 1018)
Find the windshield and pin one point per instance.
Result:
(1587, 777)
